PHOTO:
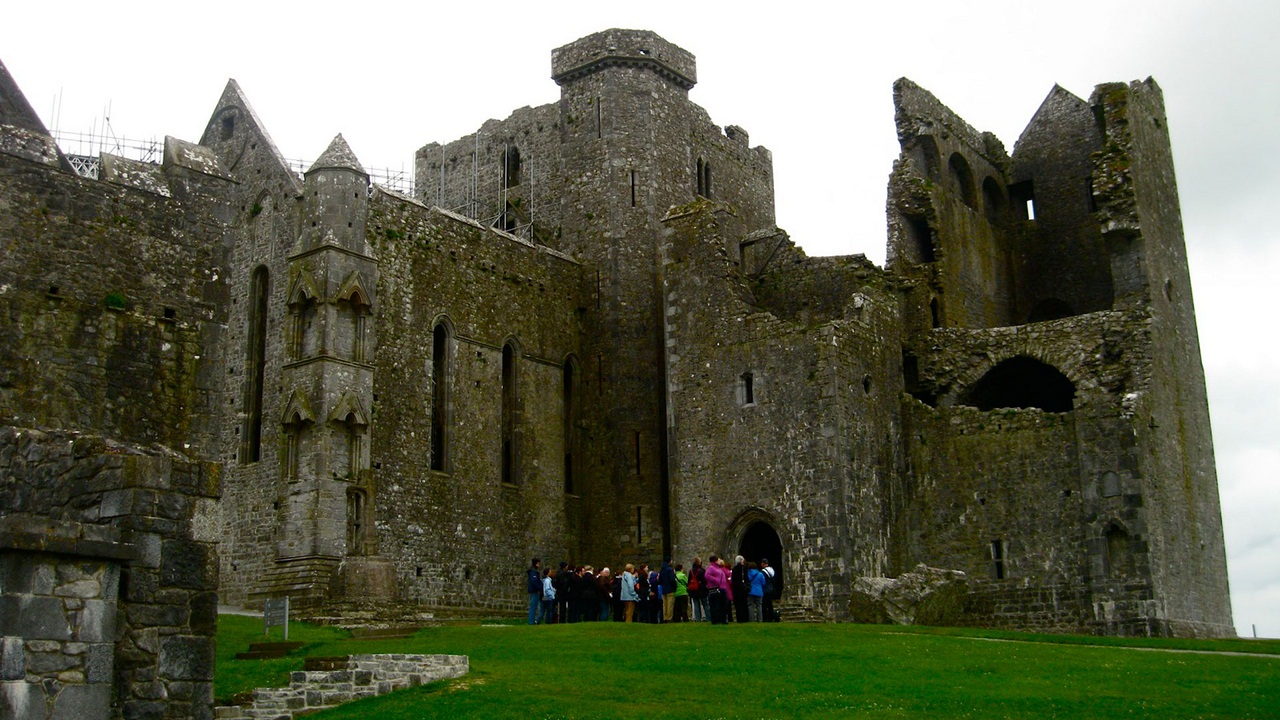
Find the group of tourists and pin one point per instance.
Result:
(712, 592)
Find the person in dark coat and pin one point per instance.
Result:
(588, 597)
(738, 580)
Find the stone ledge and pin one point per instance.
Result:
(310, 691)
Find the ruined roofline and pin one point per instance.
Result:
(451, 215)
(917, 111)
(624, 48)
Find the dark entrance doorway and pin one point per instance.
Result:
(761, 541)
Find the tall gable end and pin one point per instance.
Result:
(240, 140)
(21, 132)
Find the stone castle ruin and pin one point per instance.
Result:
(583, 337)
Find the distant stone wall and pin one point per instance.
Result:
(108, 579)
(362, 676)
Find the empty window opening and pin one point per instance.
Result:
(639, 526)
(228, 126)
(866, 384)
(510, 167)
(993, 203)
(1050, 309)
(170, 314)
(440, 381)
(1022, 200)
(1022, 382)
(633, 188)
(747, 384)
(962, 178)
(599, 120)
(935, 313)
(911, 380)
(920, 238)
(510, 376)
(704, 178)
(1110, 484)
(255, 364)
(998, 559)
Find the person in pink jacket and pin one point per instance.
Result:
(717, 591)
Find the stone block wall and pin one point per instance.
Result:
(108, 578)
(459, 535)
(360, 677)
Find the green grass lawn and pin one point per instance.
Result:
(608, 670)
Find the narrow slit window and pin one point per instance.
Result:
(998, 559)
(747, 385)
(509, 414)
(440, 379)
(255, 362)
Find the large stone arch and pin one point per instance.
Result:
(754, 535)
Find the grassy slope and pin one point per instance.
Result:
(612, 670)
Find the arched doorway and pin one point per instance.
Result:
(760, 540)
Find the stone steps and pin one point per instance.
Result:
(268, 650)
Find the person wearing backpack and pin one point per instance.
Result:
(698, 591)
(770, 590)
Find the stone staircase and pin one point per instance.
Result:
(305, 581)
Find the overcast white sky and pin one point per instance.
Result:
(809, 81)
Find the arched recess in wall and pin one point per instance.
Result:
(1119, 547)
(1022, 382)
(255, 364)
(962, 179)
(296, 423)
(441, 382)
(304, 340)
(350, 425)
(511, 412)
(570, 378)
(354, 310)
(262, 216)
(993, 200)
(926, 158)
(753, 535)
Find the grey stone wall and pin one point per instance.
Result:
(108, 598)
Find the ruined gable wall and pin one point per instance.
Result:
(467, 531)
(965, 260)
(1061, 255)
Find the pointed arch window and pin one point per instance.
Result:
(354, 311)
(441, 377)
(703, 170)
(255, 365)
(304, 340)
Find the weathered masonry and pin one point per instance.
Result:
(583, 337)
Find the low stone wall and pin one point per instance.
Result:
(364, 676)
